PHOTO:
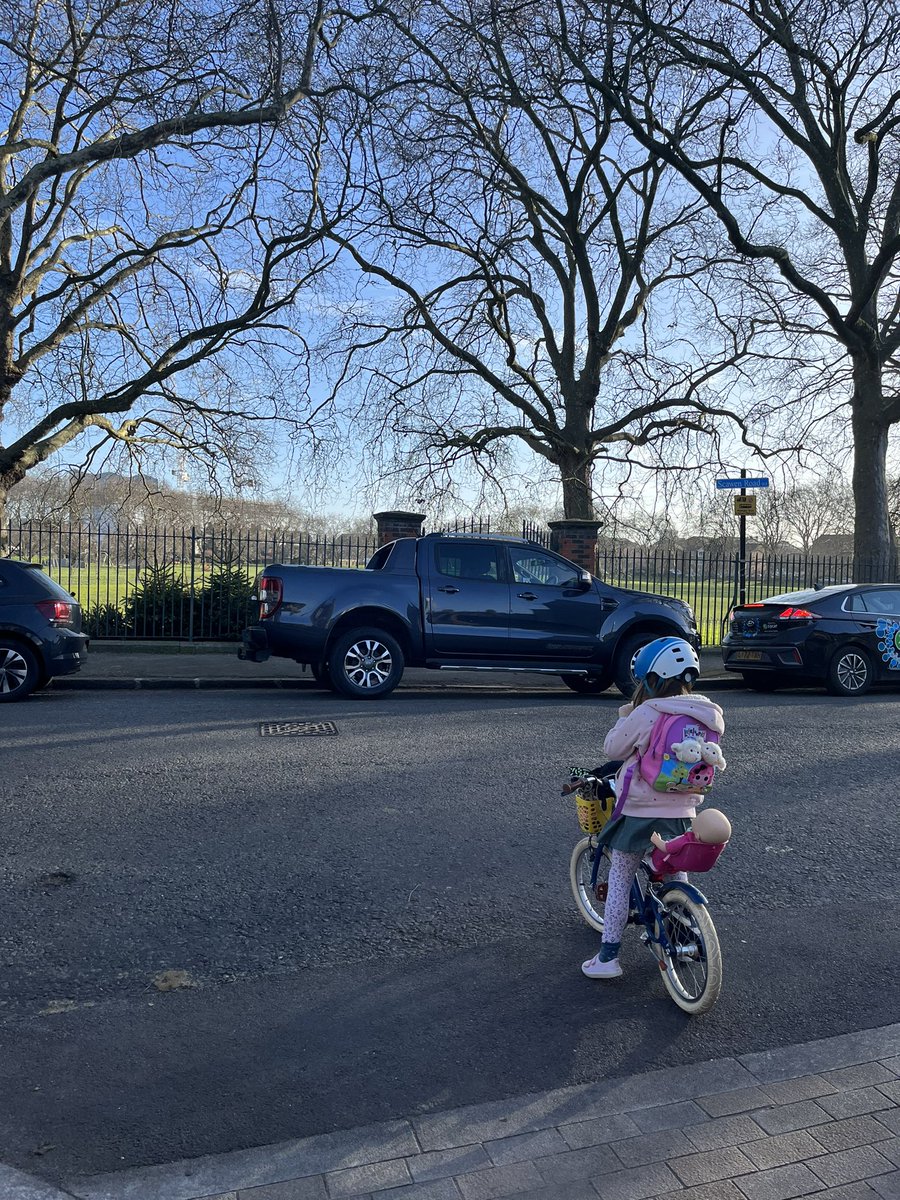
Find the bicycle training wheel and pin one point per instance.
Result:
(591, 901)
(693, 974)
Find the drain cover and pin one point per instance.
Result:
(297, 728)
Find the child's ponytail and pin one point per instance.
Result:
(652, 687)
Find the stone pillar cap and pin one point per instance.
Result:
(577, 522)
(399, 516)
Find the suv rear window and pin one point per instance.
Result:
(31, 579)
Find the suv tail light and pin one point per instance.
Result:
(797, 614)
(57, 612)
(270, 593)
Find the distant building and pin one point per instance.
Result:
(832, 543)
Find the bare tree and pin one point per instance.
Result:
(147, 257)
(533, 275)
(797, 153)
(812, 511)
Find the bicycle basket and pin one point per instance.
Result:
(593, 812)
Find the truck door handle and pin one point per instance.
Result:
(449, 589)
(527, 596)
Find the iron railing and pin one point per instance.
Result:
(196, 584)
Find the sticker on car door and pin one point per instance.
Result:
(888, 633)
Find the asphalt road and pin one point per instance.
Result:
(378, 923)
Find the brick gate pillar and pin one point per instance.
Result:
(393, 525)
(576, 541)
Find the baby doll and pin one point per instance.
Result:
(694, 851)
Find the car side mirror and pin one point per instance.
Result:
(585, 581)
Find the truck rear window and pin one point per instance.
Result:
(380, 557)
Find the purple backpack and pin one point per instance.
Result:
(682, 756)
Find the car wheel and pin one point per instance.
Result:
(587, 685)
(762, 683)
(365, 664)
(628, 648)
(851, 672)
(19, 671)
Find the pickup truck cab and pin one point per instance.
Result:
(457, 601)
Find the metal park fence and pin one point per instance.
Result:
(196, 584)
(712, 582)
(185, 584)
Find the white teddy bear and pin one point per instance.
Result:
(688, 751)
(712, 755)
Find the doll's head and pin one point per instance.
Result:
(711, 826)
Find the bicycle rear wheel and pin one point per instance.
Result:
(591, 901)
(693, 968)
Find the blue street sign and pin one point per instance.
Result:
(742, 483)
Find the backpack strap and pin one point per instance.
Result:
(622, 793)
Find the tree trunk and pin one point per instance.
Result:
(576, 471)
(875, 552)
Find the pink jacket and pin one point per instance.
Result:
(631, 734)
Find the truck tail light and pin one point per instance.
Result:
(270, 593)
(57, 612)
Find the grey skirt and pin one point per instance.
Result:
(632, 834)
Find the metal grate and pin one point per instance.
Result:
(297, 728)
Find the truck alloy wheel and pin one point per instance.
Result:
(625, 653)
(365, 663)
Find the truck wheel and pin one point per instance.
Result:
(587, 685)
(365, 664)
(628, 648)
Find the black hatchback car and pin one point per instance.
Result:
(846, 636)
(40, 630)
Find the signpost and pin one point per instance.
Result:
(744, 507)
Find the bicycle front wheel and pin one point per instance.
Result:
(693, 962)
(591, 901)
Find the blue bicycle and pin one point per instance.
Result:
(674, 917)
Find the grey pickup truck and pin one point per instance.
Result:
(457, 601)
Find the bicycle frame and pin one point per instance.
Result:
(646, 907)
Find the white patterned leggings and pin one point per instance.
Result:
(615, 912)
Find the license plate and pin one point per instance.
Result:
(748, 655)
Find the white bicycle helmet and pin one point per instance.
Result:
(666, 658)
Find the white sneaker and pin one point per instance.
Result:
(595, 969)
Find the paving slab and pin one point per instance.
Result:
(708, 1131)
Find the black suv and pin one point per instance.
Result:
(40, 630)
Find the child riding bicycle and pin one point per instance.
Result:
(665, 671)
